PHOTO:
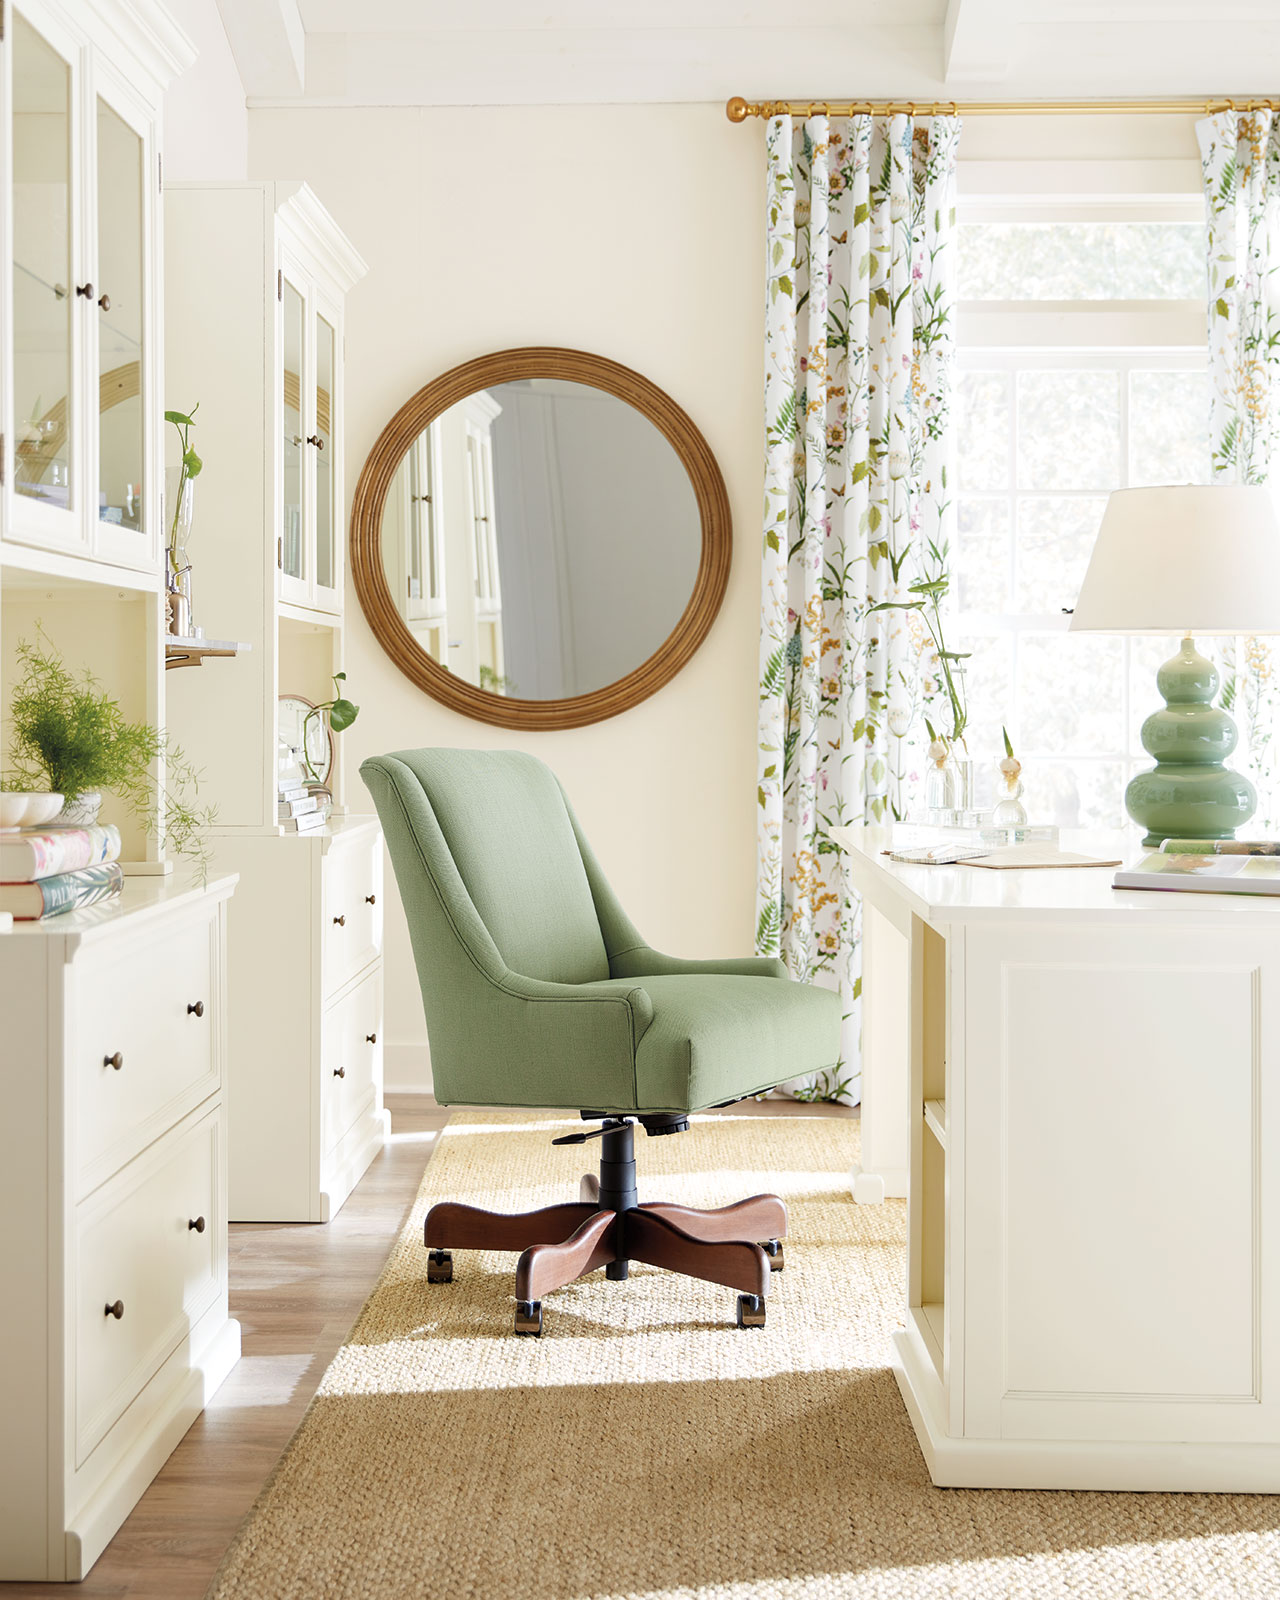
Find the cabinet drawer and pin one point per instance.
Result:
(137, 1250)
(144, 1020)
(352, 902)
(351, 1058)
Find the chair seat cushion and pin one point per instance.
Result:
(717, 1038)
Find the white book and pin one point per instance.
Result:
(292, 791)
(297, 808)
(308, 822)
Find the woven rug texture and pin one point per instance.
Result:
(646, 1448)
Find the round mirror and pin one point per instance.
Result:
(540, 538)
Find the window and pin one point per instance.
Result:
(1082, 369)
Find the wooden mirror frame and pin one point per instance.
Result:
(505, 366)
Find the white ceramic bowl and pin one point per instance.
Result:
(27, 808)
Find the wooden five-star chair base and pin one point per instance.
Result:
(739, 1245)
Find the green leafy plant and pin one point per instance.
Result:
(930, 593)
(340, 712)
(827, 1087)
(71, 736)
(494, 682)
(191, 467)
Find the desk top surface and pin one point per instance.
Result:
(962, 893)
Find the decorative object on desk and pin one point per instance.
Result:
(1009, 811)
(182, 501)
(1170, 561)
(340, 713)
(1209, 874)
(68, 733)
(27, 808)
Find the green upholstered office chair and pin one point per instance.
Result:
(538, 991)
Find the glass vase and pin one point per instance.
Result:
(949, 788)
(181, 500)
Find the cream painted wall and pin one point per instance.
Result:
(633, 231)
(206, 124)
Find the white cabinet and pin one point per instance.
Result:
(306, 927)
(113, 1185)
(266, 369)
(82, 452)
(306, 1021)
(1082, 1083)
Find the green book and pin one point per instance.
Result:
(1221, 847)
(65, 891)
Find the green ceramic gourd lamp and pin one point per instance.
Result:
(1195, 558)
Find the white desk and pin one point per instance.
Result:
(1076, 1088)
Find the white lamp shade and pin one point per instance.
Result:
(1196, 558)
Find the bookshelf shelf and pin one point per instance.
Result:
(180, 652)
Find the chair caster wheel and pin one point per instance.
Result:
(529, 1317)
(773, 1249)
(439, 1267)
(750, 1311)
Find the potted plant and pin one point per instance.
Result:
(68, 735)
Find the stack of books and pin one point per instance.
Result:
(297, 809)
(50, 869)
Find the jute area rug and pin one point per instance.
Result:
(645, 1447)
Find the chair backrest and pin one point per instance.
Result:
(503, 820)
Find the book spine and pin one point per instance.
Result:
(72, 891)
(1221, 847)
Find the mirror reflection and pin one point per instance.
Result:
(541, 539)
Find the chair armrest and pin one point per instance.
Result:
(609, 991)
(643, 962)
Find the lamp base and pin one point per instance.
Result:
(1189, 793)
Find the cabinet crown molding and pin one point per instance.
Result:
(300, 208)
(144, 29)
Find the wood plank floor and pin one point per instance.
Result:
(296, 1288)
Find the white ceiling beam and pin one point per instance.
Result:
(269, 44)
(977, 41)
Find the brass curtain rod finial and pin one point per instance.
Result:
(737, 109)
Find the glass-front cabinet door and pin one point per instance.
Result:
(310, 506)
(324, 465)
(125, 494)
(48, 315)
(82, 273)
(295, 569)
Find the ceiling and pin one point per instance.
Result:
(512, 52)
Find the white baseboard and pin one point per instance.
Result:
(406, 1069)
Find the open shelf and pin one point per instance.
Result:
(180, 652)
(935, 1120)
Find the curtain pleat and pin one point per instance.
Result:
(1240, 161)
(858, 370)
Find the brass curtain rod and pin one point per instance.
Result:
(739, 110)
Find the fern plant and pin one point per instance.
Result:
(70, 736)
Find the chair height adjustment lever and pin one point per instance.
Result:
(612, 1125)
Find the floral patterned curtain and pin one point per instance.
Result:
(1240, 158)
(858, 359)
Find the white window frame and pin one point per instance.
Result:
(1038, 335)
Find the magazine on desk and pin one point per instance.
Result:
(1217, 874)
